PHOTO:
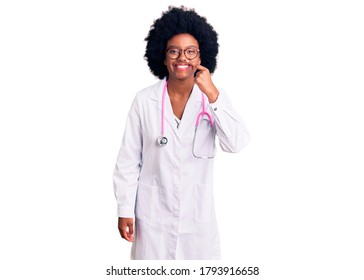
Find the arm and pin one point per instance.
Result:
(232, 132)
(126, 173)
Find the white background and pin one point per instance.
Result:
(291, 202)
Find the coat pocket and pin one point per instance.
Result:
(203, 202)
(147, 205)
(204, 140)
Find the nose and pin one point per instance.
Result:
(182, 56)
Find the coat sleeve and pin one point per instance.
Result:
(127, 168)
(231, 131)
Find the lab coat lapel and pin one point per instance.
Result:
(156, 95)
(170, 117)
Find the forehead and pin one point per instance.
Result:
(182, 40)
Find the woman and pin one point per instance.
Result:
(163, 175)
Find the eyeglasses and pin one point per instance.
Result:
(190, 53)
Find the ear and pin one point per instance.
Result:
(164, 62)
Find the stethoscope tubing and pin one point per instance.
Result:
(203, 112)
(164, 105)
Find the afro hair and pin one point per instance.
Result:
(177, 21)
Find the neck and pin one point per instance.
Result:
(180, 88)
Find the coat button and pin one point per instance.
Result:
(215, 109)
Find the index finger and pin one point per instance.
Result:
(200, 67)
(131, 229)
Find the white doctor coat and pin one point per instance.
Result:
(167, 189)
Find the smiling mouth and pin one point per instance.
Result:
(182, 67)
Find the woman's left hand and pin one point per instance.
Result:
(204, 82)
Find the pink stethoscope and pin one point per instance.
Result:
(163, 140)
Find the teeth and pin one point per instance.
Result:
(182, 66)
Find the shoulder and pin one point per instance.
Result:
(150, 91)
(146, 96)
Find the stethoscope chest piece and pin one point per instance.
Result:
(162, 140)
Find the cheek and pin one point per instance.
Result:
(168, 64)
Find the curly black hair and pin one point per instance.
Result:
(176, 21)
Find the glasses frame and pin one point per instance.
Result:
(184, 52)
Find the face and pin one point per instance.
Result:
(182, 67)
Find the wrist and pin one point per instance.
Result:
(212, 96)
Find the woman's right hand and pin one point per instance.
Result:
(126, 228)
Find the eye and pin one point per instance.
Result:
(173, 51)
(191, 51)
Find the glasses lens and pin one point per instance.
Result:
(173, 53)
(191, 53)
